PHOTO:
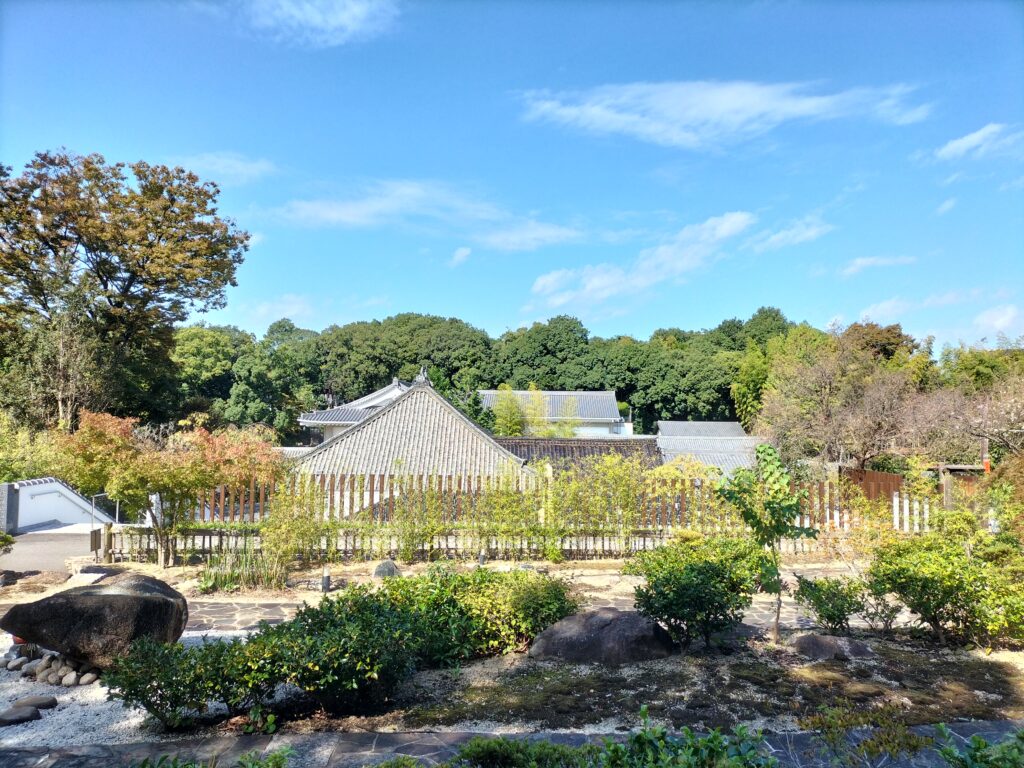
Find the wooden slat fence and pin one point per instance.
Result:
(460, 517)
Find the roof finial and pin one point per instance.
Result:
(421, 377)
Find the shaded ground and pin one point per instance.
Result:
(757, 684)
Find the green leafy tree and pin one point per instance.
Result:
(770, 507)
(140, 246)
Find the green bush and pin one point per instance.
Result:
(6, 543)
(459, 616)
(351, 649)
(936, 580)
(832, 601)
(697, 587)
(978, 753)
(483, 752)
(510, 609)
(168, 681)
(879, 611)
(241, 674)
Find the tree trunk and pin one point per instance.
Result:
(778, 612)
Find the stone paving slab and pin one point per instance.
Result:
(353, 750)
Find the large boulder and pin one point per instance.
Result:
(603, 636)
(97, 623)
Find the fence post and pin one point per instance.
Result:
(895, 510)
(108, 543)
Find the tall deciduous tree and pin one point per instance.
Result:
(140, 246)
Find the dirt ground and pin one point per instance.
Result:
(755, 683)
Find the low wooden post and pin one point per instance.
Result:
(108, 542)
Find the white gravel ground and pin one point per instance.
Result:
(82, 715)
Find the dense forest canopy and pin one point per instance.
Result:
(101, 264)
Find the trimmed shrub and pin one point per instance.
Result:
(351, 649)
(241, 674)
(510, 609)
(936, 580)
(879, 611)
(832, 601)
(165, 680)
(697, 587)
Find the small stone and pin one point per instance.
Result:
(39, 702)
(53, 678)
(70, 679)
(386, 569)
(64, 670)
(44, 664)
(16, 715)
(89, 678)
(15, 664)
(31, 667)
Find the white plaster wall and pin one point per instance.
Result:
(52, 501)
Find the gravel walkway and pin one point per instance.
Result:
(82, 715)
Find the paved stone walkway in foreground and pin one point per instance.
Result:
(351, 750)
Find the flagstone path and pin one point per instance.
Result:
(352, 750)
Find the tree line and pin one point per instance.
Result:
(101, 264)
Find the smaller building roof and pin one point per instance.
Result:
(535, 450)
(701, 429)
(726, 453)
(357, 410)
(582, 405)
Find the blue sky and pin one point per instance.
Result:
(638, 165)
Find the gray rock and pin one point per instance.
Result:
(604, 636)
(70, 679)
(827, 647)
(386, 569)
(97, 623)
(39, 702)
(88, 678)
(53, 678)
(64, 669)
(15, 664)
(16, 715)
(44, 664)
(31, 667)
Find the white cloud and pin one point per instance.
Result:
(946, 207)
(459, 256)
(689, 249)
(865, 262)
(528, 235)
(294, 306)
(988, 140)
(703, 113)
(1013, 185)
(226, 168)
(894, 308)
(997, 319)
(318, 23)
(390, 201)
(800, 231)
(257, 238)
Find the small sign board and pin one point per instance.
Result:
(95, 539)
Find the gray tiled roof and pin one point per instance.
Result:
(341, 414)
(294, 452)
(726, 453)
(419, 433)
(701, 429)
(589, 406)
(573, 449)
(357, 410)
